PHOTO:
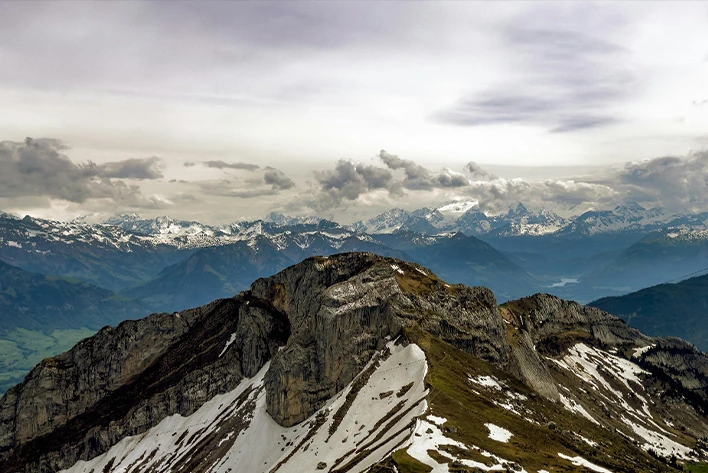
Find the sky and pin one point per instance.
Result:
(222, 111)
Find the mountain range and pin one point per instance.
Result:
(520, 221)
(354, 363)
(165, 264)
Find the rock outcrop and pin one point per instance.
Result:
(342, 309)
(125, 380)
(549, 324)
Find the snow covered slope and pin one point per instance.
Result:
(389, 417)
(364, 423)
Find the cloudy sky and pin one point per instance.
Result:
(228, 110)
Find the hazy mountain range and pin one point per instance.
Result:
(164, 264)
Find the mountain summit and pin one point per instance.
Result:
(357, 362)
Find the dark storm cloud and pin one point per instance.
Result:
(277, 179)
(38, 168)
(418, 177)
(224, 165)
(347, 181)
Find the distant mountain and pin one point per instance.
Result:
(158, 226)
(103, 255)
(522, 221)
(656, 258)
(36, 302)
(284, 220)
(223, 271)
(212, 273)
(679, 309)
(519, 220)
(132, 251)
(387, 222)
(425, 220)
(624, 218)
(470, 261)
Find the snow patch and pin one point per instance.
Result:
(641, 350)
(573, 406)
(228, 343)
(436, 420)
(237, 423)
(497, 433)
(486, 381)
(580, 461)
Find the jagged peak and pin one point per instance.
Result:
(630, 206)
(519, 210)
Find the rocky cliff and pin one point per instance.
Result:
(314, 328)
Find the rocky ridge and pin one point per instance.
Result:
(316, 326)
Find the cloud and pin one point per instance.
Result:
(493, 107)
(136, 168)
(569, 77)
(226, 188)
(348, 181)
(272, 183)
(37, 167)
(224, 165)
(674, 182)
(420, 178)
(477, 173)
(277, 179)
(679, 184)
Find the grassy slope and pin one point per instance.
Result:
(534, 445)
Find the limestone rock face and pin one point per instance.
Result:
(342, 309)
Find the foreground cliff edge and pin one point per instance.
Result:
(362, 363)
